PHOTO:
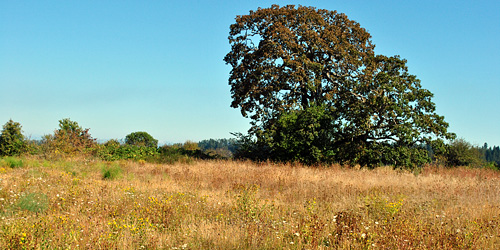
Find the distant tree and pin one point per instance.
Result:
(227, 144)
(68, 126)
(462, 153)
(112, 143)
(72, 132)
(224, 148)
(491, 154)
(190, 145)
(12, 141)
(142, 139)
(495, 155)
(315, 91)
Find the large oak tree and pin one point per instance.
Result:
(315, 91)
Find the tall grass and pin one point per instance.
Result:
(111, 171)
(230, 204)
(13, 162)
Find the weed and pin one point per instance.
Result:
(111, 172)
(33, 202)
(13, 162)
(382, 209)
(246, 203)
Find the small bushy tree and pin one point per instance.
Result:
(141, 139)
(12, 141)
(190, 146)
(461, 153)
(69, 139)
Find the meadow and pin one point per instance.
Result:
(224, 204)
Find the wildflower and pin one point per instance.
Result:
(297, 234)
(363, 235)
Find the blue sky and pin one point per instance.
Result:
(118, 67)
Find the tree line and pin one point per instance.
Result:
(491, 154)
(71, 140)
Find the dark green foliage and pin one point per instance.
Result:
(224, 148)
(461, 153)
(181, 153)
(173, 154)
(138, 146)
(316, 92)
(247, 147)
(12, 141)
(113, 150)
(229, 144)
(141, 139)
(491, 154)
(390, 154)
(302, 136)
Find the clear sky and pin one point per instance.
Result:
(118, 67)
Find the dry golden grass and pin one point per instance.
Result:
(244, 205)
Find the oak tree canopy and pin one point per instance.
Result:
(315, 91)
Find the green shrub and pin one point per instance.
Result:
(114, 151)
(12, 141)
(141, 139)
(13, 162)
(177, 153)
(184, 153)
(111, 172)
(492, 166)
(461, 153)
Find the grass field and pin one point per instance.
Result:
(85, 204)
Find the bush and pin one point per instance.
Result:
(111, 172)
(69, 140)
(141, 139)
(13, 162)
(12, 141)
(173, 154)
(112, 151)
(461, 153)
(185, 153)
